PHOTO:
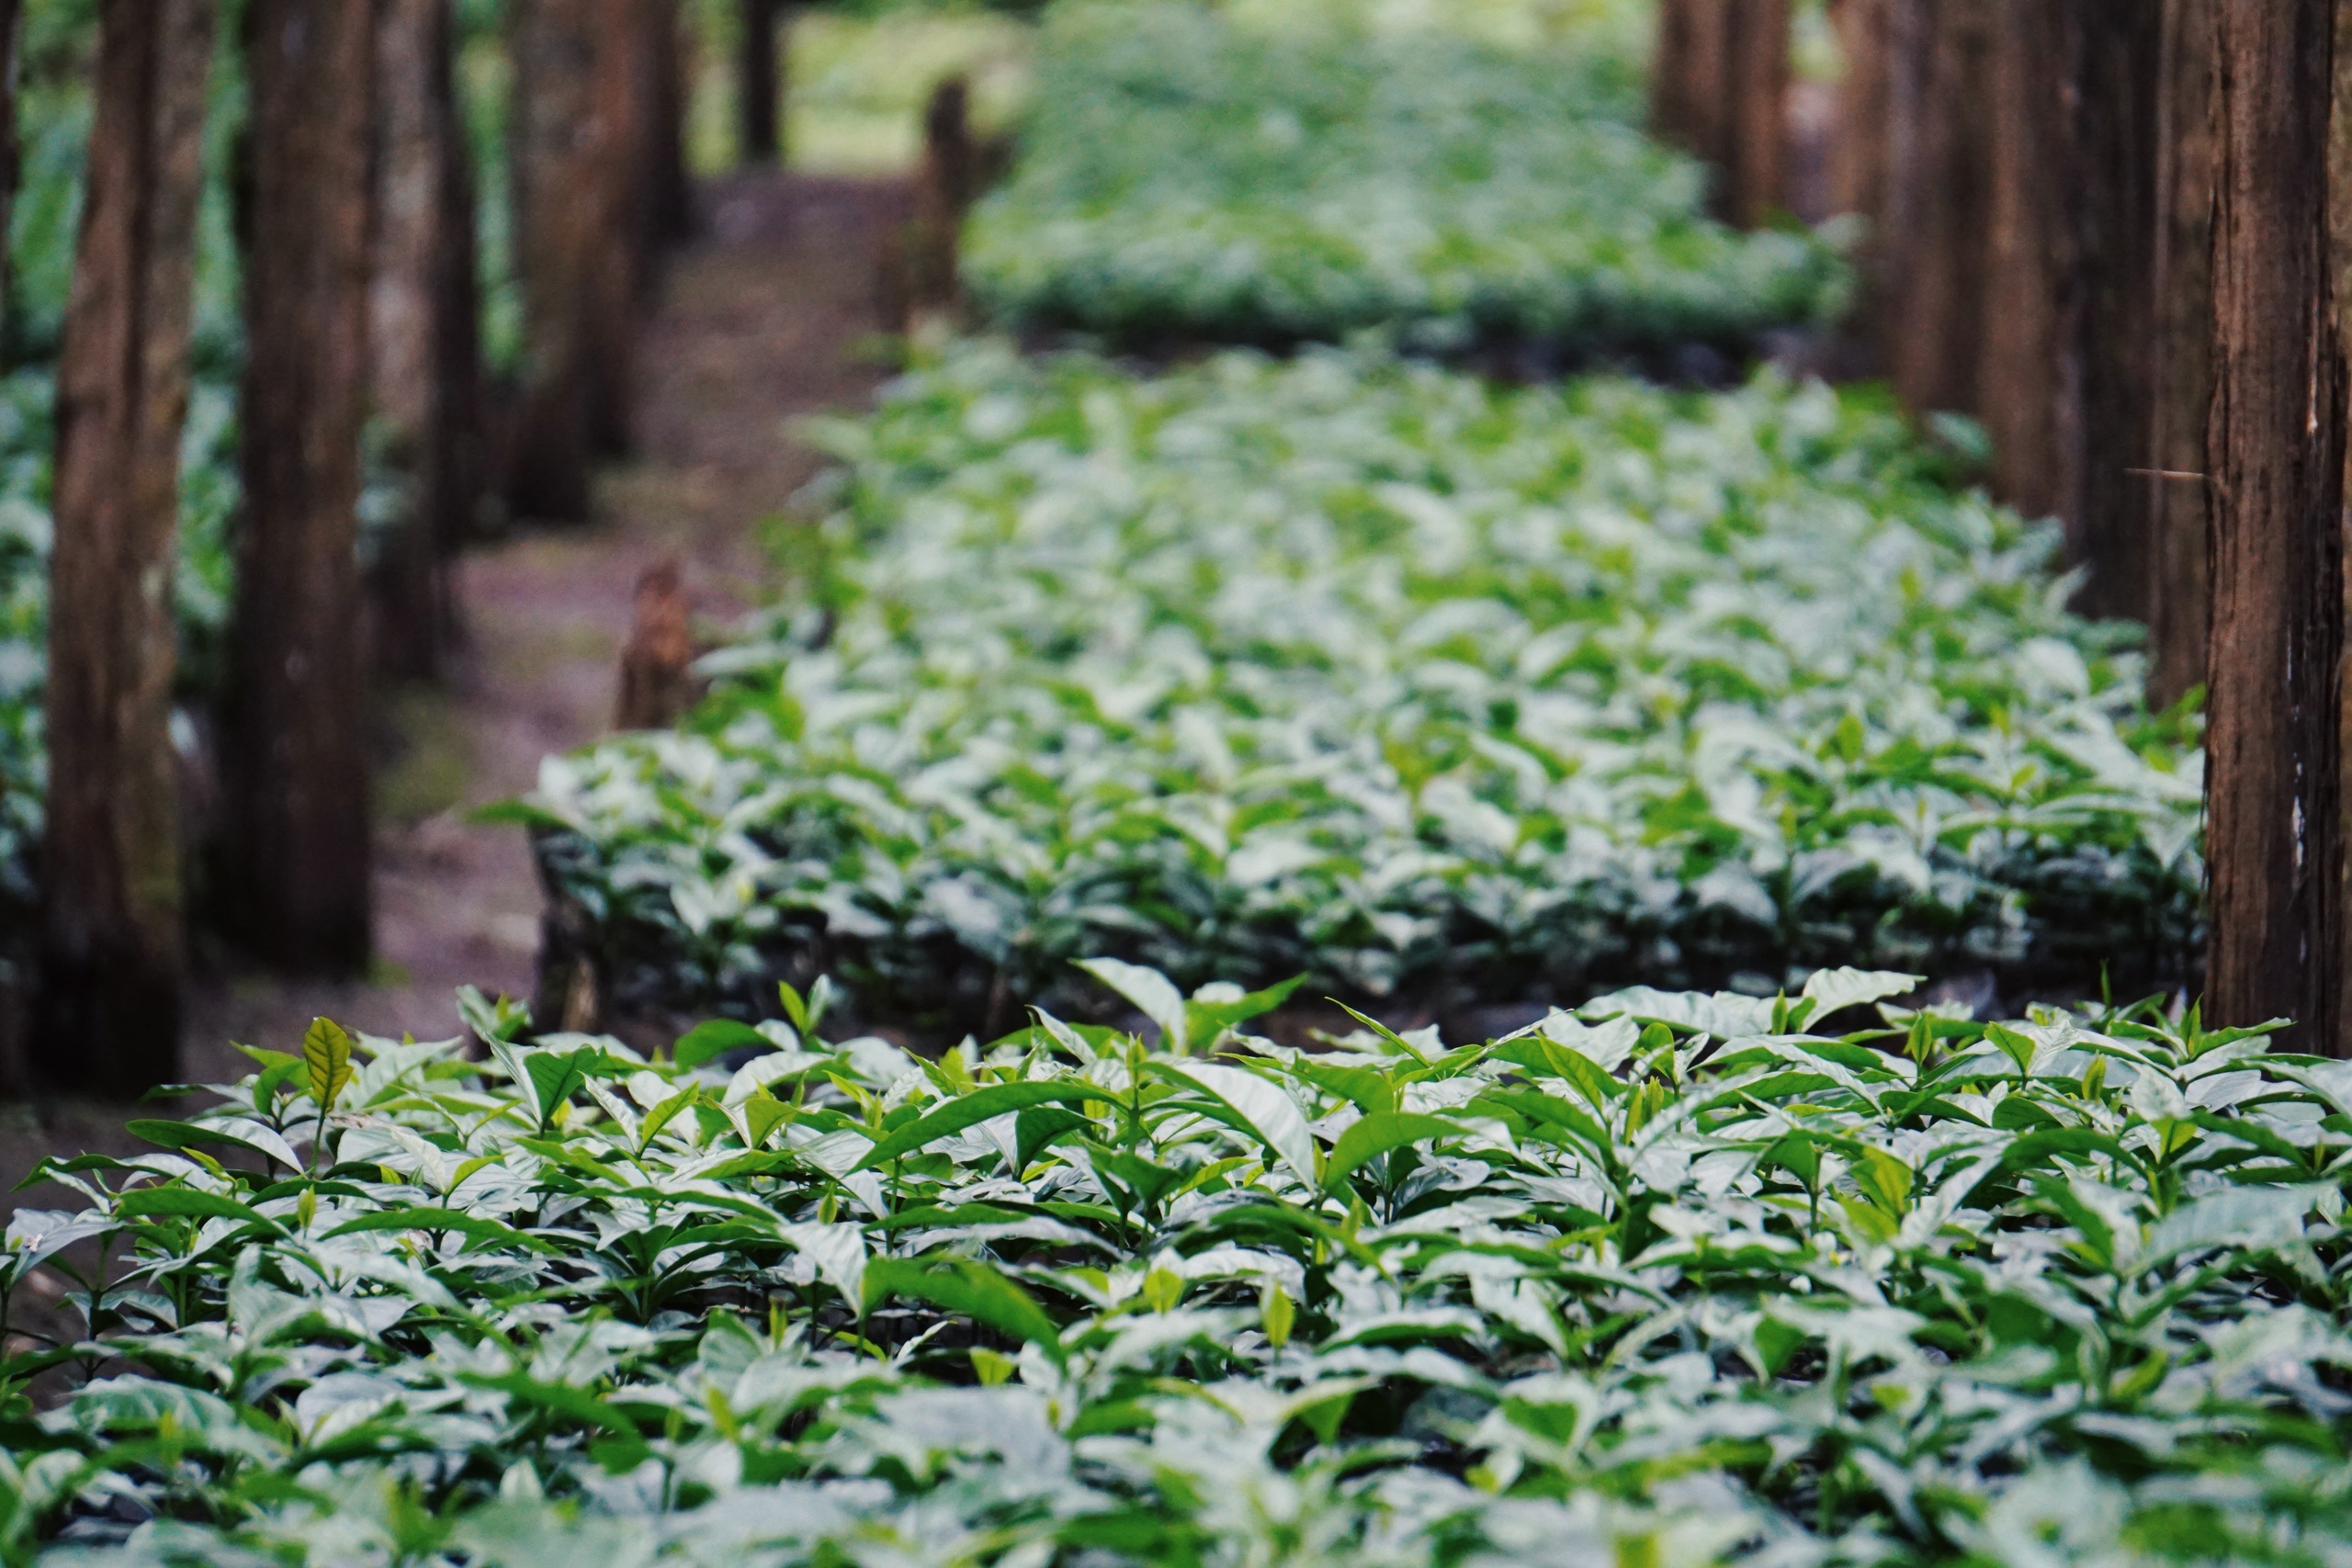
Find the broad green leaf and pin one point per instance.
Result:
(1262, 1107)
(970, 1110)
(714, 1038)
(1152, 994)
(186, 1203)
(474, 1228)
(968, 1289)
(1377, 1134)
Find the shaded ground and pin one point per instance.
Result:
(764, 318)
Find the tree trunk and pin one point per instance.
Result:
(1937, 248)
(2005, 157)
(296, 764)
(409, 343)
(464, 400)
(1755, 156)
(1878, 125)
(112, 930)
(2029, 369)
(1720, 91)
(2176, 594)
(670, 195)
(2276, 445)
(758, 85)
(557, 146)
(2118, 138)
(11, 164)
(619, 270)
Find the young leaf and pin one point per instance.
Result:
(326, 1056)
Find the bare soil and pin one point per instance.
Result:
(767, 316)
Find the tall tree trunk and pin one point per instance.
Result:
(110, 879)
(557, 145)
(670, 195)
(758, 86)
(2176, 593)
(2276, 445)
(2118, 205)
(620, 267)
(2005, 158)
(464, 399)
(297, 764)
(1936, 247)
(1878, 126)
(2029, 371)
(11, 163)
(409, 343)
(1756, 154)
(1720, 91)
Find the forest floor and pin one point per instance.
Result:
(767, 315)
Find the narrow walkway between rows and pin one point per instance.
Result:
(767, 317)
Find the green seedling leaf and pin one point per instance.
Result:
(251, 1136)
(970, 1110)
(1153, 994)
(967, 1289)
(474, 1228)
(186, 1203)
(1261, 1107)
(1212, 1011)
(1377, 1134)
(714, 1038)
(326, 1057)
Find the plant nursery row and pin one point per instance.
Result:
(1372, 671)
(1672, 1279)
(1185, 178)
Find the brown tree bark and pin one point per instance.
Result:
(113, 947)
(2117, 210)
(620, 266)
(670, 194)
(1720, 91)
(2029, 371)
(2176, 594)
(11, 160)
(558, 146)
(421, 200)
(2012, 163)
(758, 83)
(2276, 449)
(296, 763)
(1936, 250)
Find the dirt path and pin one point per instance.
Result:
(764, 319)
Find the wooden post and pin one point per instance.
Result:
(2276, 445)
(944, 187)
(758, 83)
(296, 763)
(112, 939)
(1720, 91)
(414, 374)
(658, 681)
